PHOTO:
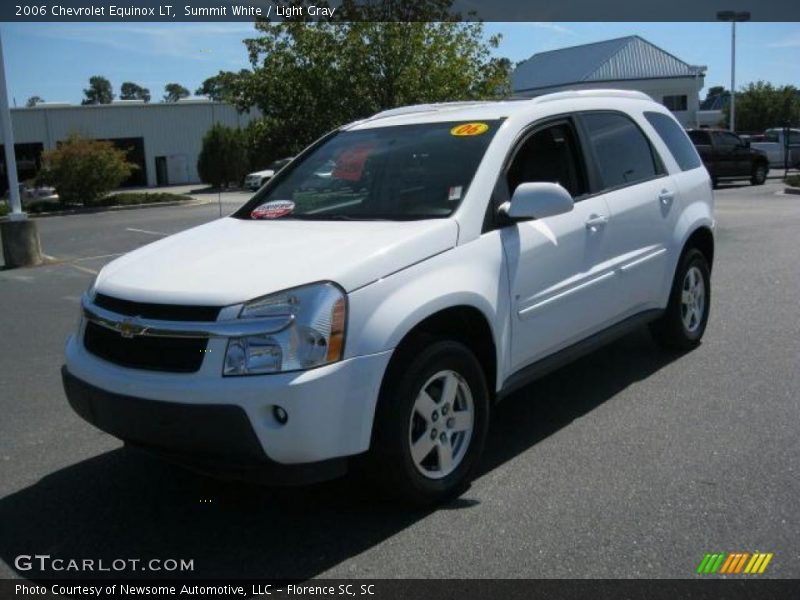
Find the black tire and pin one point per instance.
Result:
(670, 331)
(389, 461)
(760, 171)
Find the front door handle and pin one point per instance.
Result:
(666, 197)
(596, 222)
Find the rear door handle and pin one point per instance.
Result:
(666, 197)
(596, 222)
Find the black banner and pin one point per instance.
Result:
(415, 589)
(391, 10)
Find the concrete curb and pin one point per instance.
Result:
(792, 190)
(100, 209)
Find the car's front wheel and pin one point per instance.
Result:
(431, 422)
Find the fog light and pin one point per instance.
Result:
(280, 415)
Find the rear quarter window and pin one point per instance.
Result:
(675, 138)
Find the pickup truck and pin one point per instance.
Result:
(773, 142)
(727, 156)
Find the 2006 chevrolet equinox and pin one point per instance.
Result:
(392, 282)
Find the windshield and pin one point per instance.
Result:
(399, 173)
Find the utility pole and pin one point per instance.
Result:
(21, 246)
(734, 17)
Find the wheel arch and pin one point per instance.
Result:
(464, 323)
(701, 238)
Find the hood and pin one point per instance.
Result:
(230, 260)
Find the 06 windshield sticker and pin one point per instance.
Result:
(466, 129)
(272, 210)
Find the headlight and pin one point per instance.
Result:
(314, 337)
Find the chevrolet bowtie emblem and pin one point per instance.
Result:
(131, 327)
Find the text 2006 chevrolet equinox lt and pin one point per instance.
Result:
(392, 282)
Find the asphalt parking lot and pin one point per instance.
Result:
(628, 463)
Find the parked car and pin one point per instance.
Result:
(773, 143)
(727, 156)
(469, 249)
(35, 194)
(255, 180)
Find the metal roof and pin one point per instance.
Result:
(629, 57)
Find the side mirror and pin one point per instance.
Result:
(746, 143)
(537, 200)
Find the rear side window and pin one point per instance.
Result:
(701, 138)
(675, 138)
(621, 151)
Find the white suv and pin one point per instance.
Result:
(453, 253)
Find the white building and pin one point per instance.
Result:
(164, 139)
(629, 63)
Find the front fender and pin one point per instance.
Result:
(474, 274)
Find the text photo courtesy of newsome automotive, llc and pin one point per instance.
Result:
(388, 299)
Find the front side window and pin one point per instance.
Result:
(676, 140)
(622, 153)
(549, 155)
(403, 172)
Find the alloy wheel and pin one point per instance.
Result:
(441, 424)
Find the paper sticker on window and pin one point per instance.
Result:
(350, 163)
(454, 193)
(272, 210)
(466, 129)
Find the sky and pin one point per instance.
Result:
(55, 60)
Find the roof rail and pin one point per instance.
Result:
(417, 108)
(601, 93)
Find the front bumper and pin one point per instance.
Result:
(216, 439)
(229, 421)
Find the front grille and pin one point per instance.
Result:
(163, 312)
(174, 355)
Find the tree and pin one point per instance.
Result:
(223, 157)
(33, 101)
(133, 91)
(174, 92)
(345, 70)
(222, 86)
(99, 91)
(84, 170)
(761, 105)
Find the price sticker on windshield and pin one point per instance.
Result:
(272, 210)
(466, 129)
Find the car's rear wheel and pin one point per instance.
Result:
(431, 421)
(682, 325)
(759, 174)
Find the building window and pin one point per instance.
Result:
(675, 102)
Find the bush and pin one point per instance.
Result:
(223, 158)
(83, 170)
(121, 199)
(4, 209)
(131, 198)
(793, 180)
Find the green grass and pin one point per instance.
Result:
(121, 199)
(793, 180)
(131, 198)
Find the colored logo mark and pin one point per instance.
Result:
(734, 563)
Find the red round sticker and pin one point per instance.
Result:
(273, 210)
